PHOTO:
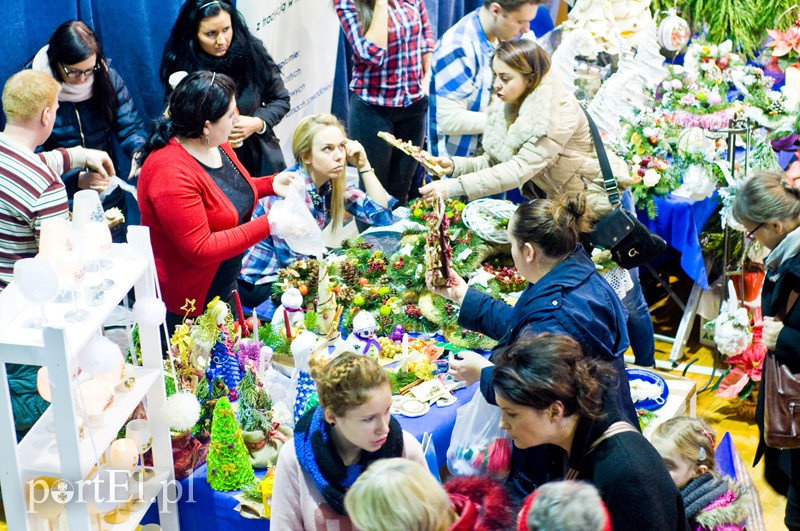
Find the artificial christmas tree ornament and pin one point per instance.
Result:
(302, 348)
(229, 465)
(673, 32)
(362, 339)
(326, 300)
(437, 244)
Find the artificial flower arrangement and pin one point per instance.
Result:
(647, 134)
(711, 62)
(741, 346)
(785, 46)
(763, 105)
(652, 178)
(696, 101)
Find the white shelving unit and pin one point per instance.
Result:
(61, 452)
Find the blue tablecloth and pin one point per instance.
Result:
(200, 507)
(679, 221)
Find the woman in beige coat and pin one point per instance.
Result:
(537, 136)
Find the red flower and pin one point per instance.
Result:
(745, 367)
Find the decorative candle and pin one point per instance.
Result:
(286, 322)
(242, 324)
(405, 345)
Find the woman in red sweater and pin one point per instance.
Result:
(197, 198)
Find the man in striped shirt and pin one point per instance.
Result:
(30, 187)
(462, 73)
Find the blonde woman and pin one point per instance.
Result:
(399, 494)
(322, 151)
(333, 444)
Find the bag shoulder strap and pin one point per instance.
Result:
(609, 181)
(615, 429)
(790, 302)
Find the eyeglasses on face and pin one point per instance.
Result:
(76, 74)
(749, 234)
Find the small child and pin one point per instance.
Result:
(712, 502)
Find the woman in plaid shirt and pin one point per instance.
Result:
(392, 49)
(322, 151)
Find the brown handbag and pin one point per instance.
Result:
(781, 388)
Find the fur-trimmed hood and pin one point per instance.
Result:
(481, 503)
(503, 141)
(726, 512)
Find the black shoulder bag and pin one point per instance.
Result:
(631, 243)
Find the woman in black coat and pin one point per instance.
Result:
(212, 35)
(549, 393)
(768, 206)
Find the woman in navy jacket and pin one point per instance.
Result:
(95, 109)
(565, 296)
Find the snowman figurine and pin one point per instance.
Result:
(362, 339)
(292, 304)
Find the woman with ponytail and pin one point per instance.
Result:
(550, 393)
(565, 295)
(537, 139)
(197, 198)
(335, 442)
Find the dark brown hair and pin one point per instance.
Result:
(553, 225)
(539, 369)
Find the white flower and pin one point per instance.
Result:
(651, 178)
(636, 159)
(650, 131)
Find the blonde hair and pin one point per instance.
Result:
(693, 437)
(27, 93)
(302, 143)
(766, 197)
(398, 495)
(345, 382)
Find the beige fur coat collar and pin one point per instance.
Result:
(502, 141)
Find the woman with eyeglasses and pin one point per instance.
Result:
(565, 295)
(197, 197)
(212, 35)
(537, 139)
(768, 207)
(95, 109)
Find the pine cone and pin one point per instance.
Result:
(345, 295)
(349, 273)
(386, 322)
(346, 244)
(313, 276)
(385, 280)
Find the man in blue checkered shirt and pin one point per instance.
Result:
(462, 73)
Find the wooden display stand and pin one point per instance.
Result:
(64, 454)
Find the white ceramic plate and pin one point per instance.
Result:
(412, 407)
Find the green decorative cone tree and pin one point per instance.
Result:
(228, 461)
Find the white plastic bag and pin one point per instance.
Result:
(478, 445)
(291, 220)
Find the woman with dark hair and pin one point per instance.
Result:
(95, 109)
(768, 206)
(549, 393)
(197, 198)
(212, 35)
(392, 48)
(537, 137)
(565, 295)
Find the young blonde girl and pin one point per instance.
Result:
(334, 442)
(712, 502)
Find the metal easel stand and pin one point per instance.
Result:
(736, 127)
